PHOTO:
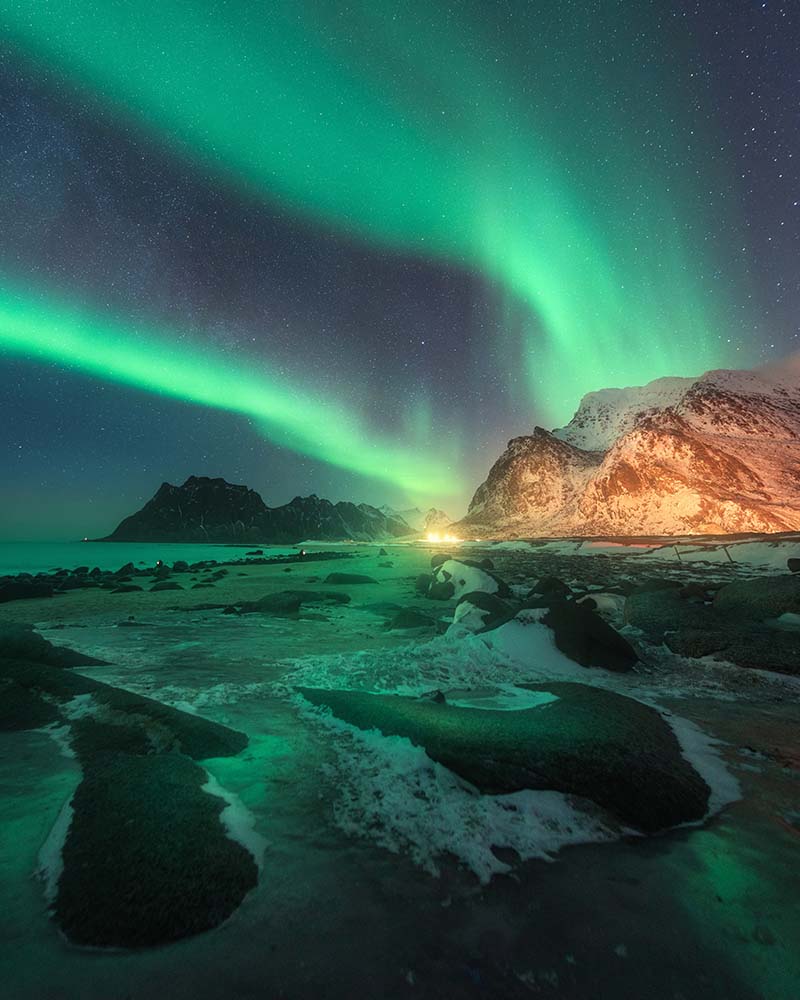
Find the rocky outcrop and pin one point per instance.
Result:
(716, 454)
(213, 510)
(593, 743)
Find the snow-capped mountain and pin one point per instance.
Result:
(420, 521)
(719, 453)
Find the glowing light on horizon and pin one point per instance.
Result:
(437, 537)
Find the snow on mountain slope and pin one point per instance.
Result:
(716, 454)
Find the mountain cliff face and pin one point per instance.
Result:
(420, 521)
(213, 510)
(720, 453)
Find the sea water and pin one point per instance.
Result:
(38, 557)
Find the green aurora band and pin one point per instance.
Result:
(52, 331)
(539, 150)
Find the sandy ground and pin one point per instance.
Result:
(704, 913)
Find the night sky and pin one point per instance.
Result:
(351, 248)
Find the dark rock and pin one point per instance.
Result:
(441, 591)
(586, 638)
(81, 571)
(411, 618)
(21, 708)
(95, 572)
(657, 612)
(202, 586)
(126, 570)
(16, 590)
(126, 588)
(761, 598)
(550, 586)
(655, 584)
(190, 734)
(161, 572)
(180, 566)
(256, 552)
(593, 743)
(290, 601)
(348, 578)
(491, 611)
(694, 592)
(697, 642)
(438, 559)
(165, 585)
(382, 552)
(21, 642)
(386, 565)
(285, 602)
(764, 649)
(172, 871)
(794, 565)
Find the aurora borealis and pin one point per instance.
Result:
(389, 236)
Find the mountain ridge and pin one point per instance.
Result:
(205, 509)
(719, 453)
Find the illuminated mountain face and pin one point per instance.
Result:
(717, 454)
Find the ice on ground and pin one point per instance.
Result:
(391, 792)
(701, 752)
(82, 706)
(238, 821)
(51, 858)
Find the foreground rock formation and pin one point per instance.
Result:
(599, 745)
(213, 510)
(715, 454)
(144, 856)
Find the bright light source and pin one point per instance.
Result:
(437, 537)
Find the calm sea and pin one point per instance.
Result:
(35, 557)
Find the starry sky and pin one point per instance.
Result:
(350, 248)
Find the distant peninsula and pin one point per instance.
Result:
(213, 510)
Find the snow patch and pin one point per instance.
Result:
(392, 793)
(238, 821)
(51, 855)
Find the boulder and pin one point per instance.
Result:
(442, 591)
(760, 598)
(793, 565)
(583, 636)
(126, 588)
(593, 743)
(180, 566)
(348, 578)
(663, 610)
(165, 585)
(481, 612)
(21, 642)
(21, 590)
(146, 859)
(411, 618)
(550, 585)
(190, 734)
(656, 583)
(468, 578)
